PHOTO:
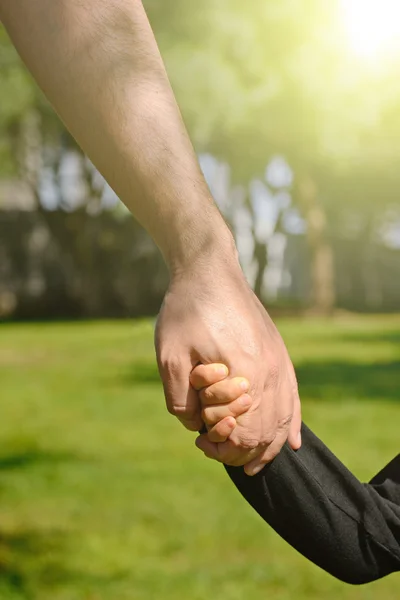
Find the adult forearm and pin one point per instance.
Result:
(98, 63)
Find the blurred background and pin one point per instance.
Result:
(294, 110)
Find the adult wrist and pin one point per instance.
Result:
(202, 249)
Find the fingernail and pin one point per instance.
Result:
(245, 400)
(299, 439)
(222, 370)
(244, 384)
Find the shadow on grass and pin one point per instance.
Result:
(141, 371)
(331, 380)
(30, 559)
(36, 558)
(17, 551)
(371, 337)
(26, 458)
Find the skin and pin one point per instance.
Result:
(98, 63)
(223, 402)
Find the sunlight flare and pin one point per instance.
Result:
(373, 27)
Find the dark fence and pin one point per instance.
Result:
(58, 264)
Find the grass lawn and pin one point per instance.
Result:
(103, 495)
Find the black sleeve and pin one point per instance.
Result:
(350, 529)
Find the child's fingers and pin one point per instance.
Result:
(224, 391)
(226, 452)
(217, 412)
(222, 430)
(204, 375)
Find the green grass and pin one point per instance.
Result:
(103, 495)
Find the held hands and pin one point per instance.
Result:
(210, 315)
(223, 401)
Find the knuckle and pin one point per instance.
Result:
(267, 438)
(233, 411)
(284, 423)
(179, 410)
(246, 442)
(207, 395)
(174, 410)
(250, 444)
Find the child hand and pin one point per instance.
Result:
(222, 399)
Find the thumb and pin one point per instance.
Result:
(294, 436)
(181, 398)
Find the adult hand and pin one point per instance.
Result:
(210, 315)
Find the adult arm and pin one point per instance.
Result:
(98, 63)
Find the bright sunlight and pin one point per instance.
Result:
(373, 27)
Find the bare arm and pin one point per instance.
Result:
(98, 63)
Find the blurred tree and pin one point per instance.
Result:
(273, 78)
(34, 147)
(254, 81)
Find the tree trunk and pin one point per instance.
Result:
(323, 294)
(260, 255)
